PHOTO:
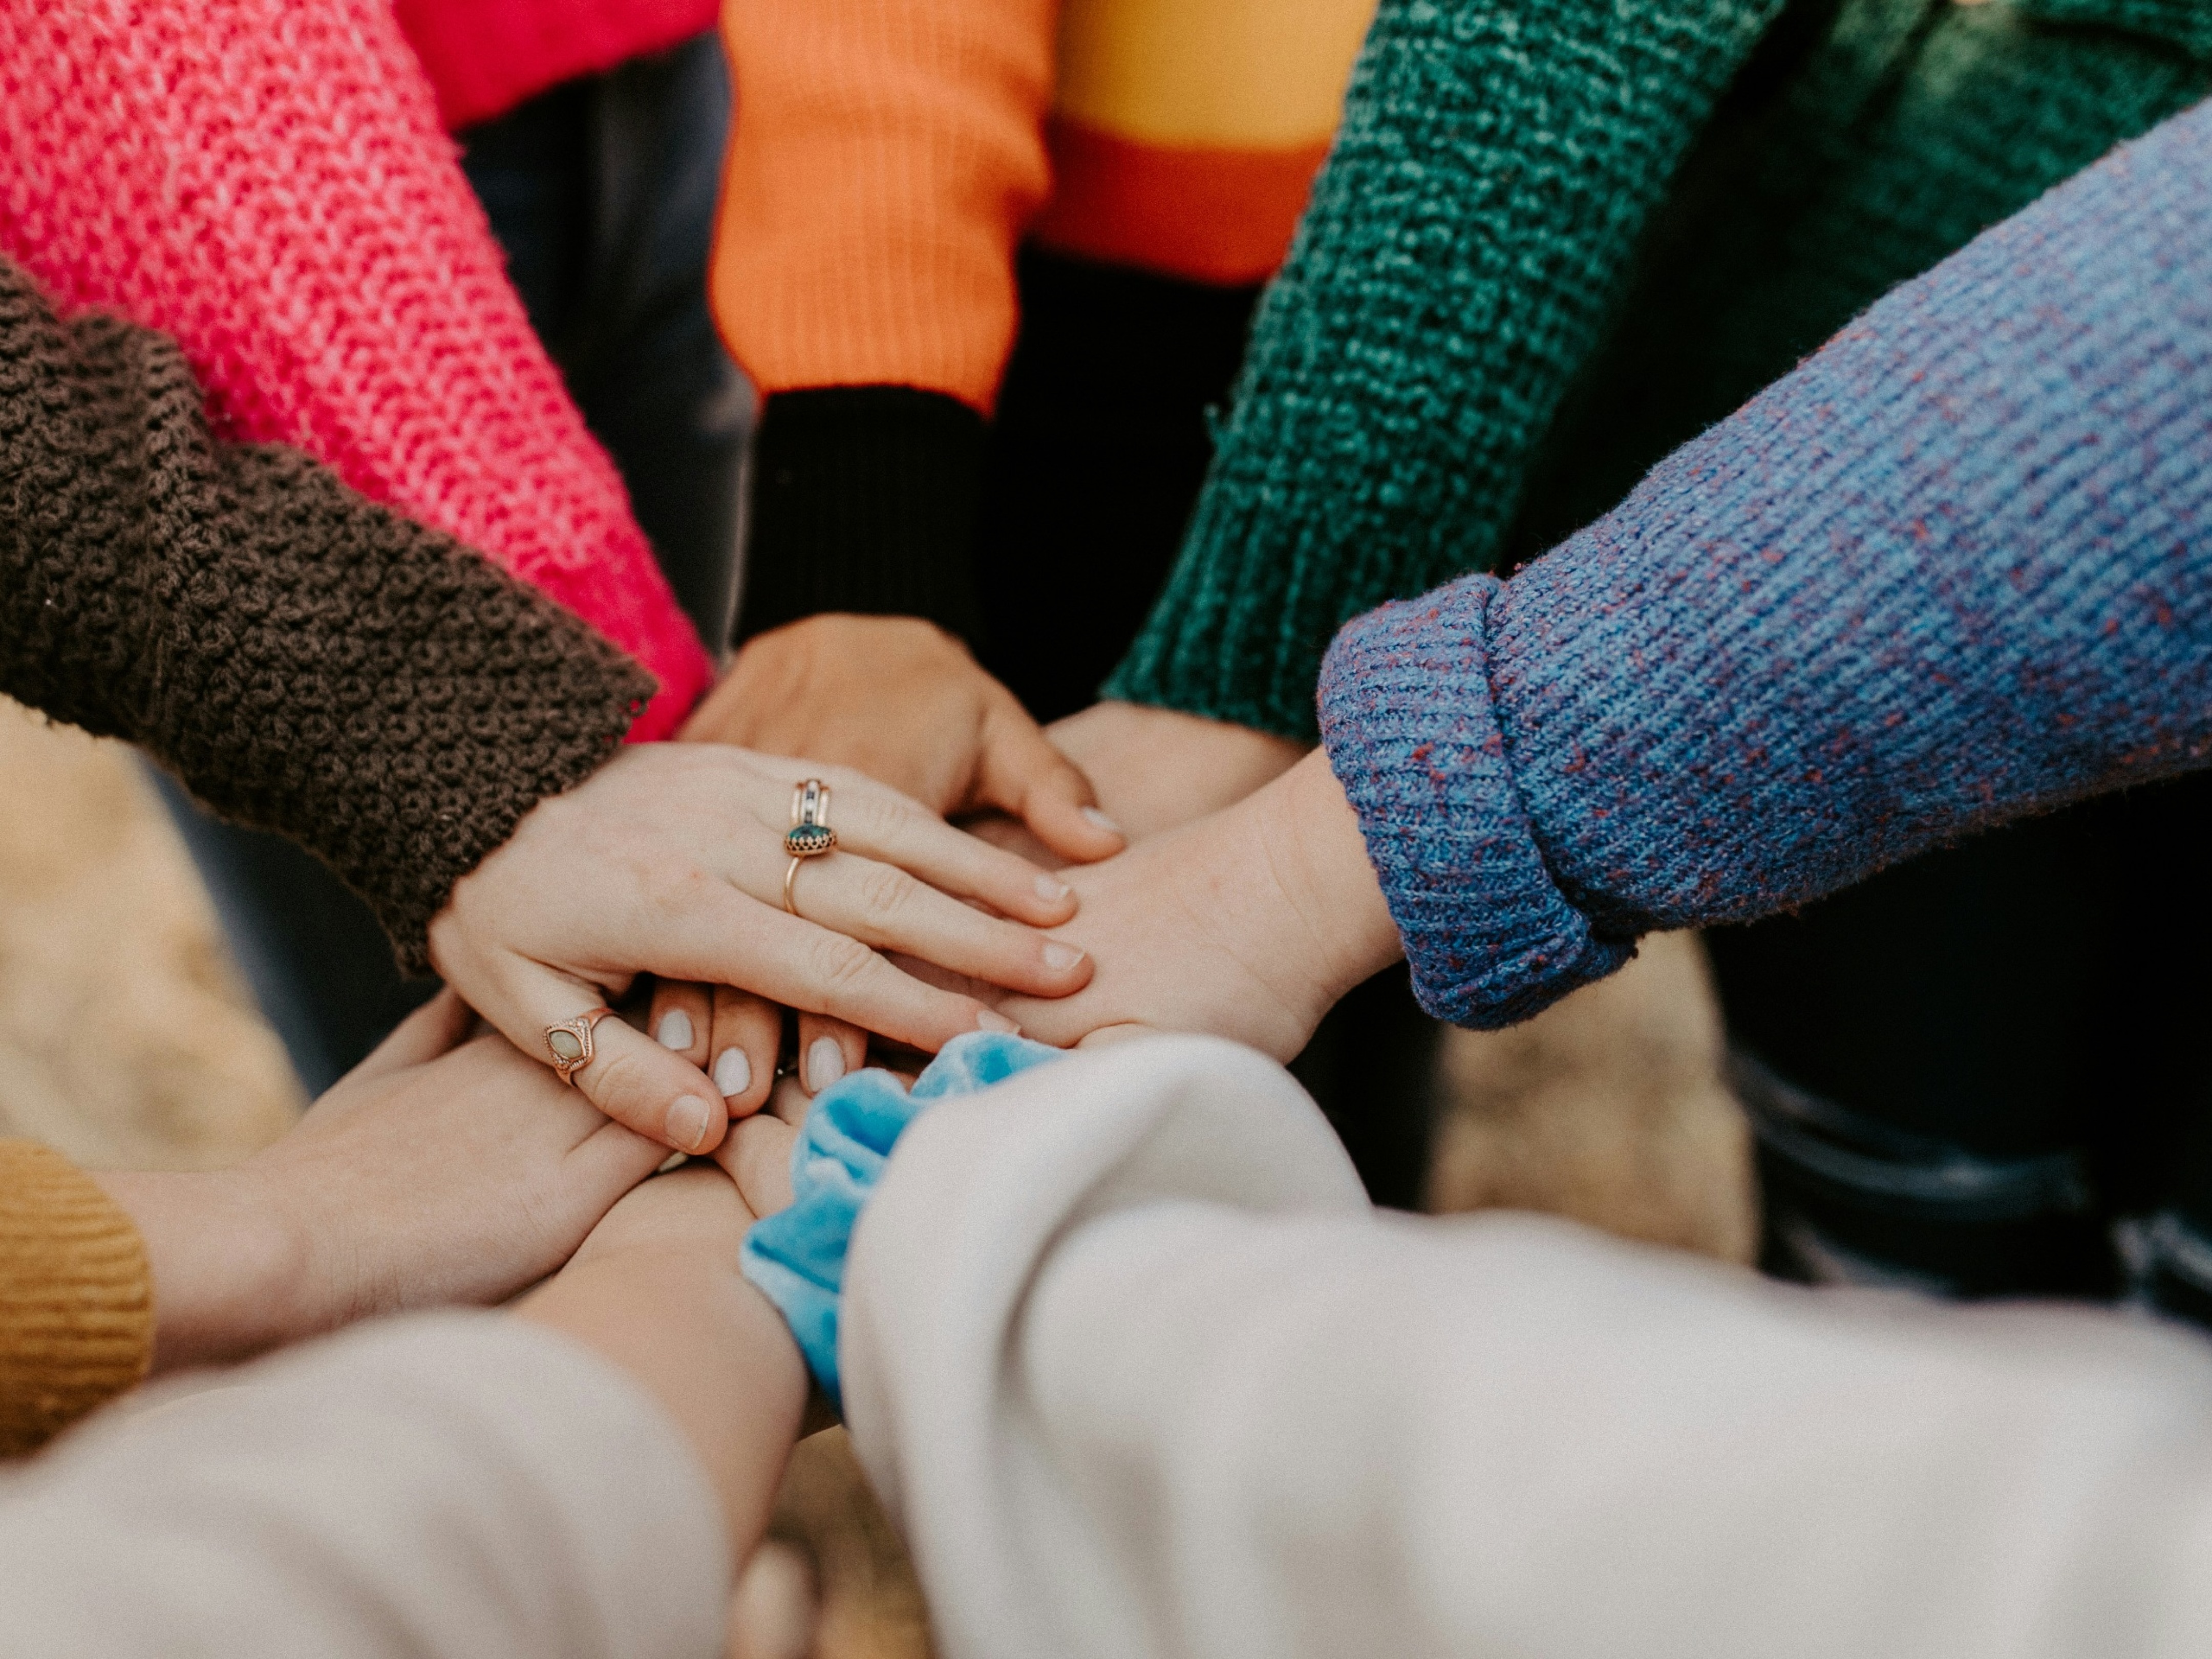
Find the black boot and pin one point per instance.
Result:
(1849, 1199)
(2170, 1262)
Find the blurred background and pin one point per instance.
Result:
(127, 1040)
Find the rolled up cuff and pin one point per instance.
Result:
(1413, 737)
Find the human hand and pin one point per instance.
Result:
(670, 860)
(1249, 924)
(1157, 768)
(902, 701)
(756, 1153)
(440, 1169)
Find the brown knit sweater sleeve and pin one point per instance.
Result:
(76, 1302)
(306, 661)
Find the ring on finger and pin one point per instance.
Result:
(810, 835)
(570, 1044)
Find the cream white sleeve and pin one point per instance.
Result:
(1142, 1375)
(443, 1486)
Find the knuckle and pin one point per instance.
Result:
(885, 892)
(874, 813)
(670, 890)
(840, 962)
(621, 1085)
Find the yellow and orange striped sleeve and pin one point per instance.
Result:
(1185, 134)
(886, 158)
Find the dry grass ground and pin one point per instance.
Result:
(127, 1041)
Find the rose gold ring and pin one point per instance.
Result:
(570, 1044)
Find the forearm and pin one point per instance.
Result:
(306, 661)
(887, 161)
(1495, 169)
(1951, 571)
(709, 1349)
(228, 1272)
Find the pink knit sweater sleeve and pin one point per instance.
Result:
(267, 183)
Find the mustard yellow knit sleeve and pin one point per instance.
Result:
(77, 1300)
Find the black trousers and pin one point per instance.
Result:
(1966, 1070)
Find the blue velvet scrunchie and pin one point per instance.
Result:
(797, 1257)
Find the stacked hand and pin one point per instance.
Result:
(444, 1168)
(670, 860)
(1249, 923)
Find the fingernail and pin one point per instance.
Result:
(733, 1073)
(676, 1030)
(1052, 889)
(991, 1020)
(687, 1122)
(1059, 956)
(673, 1161)
(1101, 820)
(825, 1064)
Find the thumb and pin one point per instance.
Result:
(1106, 1035)
(652, 1091)
(1025, 777)
(439, 1026)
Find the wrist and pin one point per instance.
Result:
(1311, 838)
(686, 1327)
(230, 1265)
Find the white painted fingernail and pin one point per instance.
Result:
(687, 1122)
(673, 1161)
(676, 1030)
(991, 1020)
(1052, 889)
(1059, 956)
(733, 1073)
(1101, 820)
(825, 1064)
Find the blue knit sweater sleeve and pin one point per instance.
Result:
(1956, 568)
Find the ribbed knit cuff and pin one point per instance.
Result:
(1406, 715)
(864, 499)
(2184, 23)
(1459, 259)
(77, 1300)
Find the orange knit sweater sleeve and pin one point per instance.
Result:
(886, 158)
(76, 1299)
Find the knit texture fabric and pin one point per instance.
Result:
(1515, 186)
(76, 1301)
(1956, 568)
(267, 183)
(1495, 167)
(484, 57)
(1837, 166)
(306, 661)
(884, 163)
(863, 500)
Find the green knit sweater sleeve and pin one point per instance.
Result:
(1498, 163)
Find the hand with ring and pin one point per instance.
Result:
(685, 861)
